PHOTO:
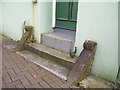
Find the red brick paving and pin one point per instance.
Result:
(18, 72)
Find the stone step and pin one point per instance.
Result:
(46, 64)
(58, 57)
(58, 40)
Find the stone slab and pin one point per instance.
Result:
(57, 41)
(52, 54)
(46, 64)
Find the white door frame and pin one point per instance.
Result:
(54, 14)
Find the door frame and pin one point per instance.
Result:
(54, 14)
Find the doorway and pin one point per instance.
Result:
(66, 15)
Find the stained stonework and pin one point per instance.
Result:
(83, 65)
(27, 37)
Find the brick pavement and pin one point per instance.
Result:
(18, 72)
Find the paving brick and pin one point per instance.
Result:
(19, 58)
(11, 62)
(11, 72)
(14, 56)
(38, 76)
(20, 66)
(29, 77)
(52, 76)
(64, 86)
(6, 57)
(45, 85)
(19, 86)
(16, 69)
(6, 64)
(35, 67)
(48, 79)
(14, 78)
(25, 69)
(41, 71)
(30, 87)
(3, 84)
(4, 73)
(60, 82)
(25, 82)
(24, 63)
(10, 66)
(3, 67)
(11, 87)
(36, 81)
(55, 79)
(47, 73)
(13, 83)
(32, 72)
(41, 74)
(7, 78)
(22, 73)
(56, 84)
(34, 86)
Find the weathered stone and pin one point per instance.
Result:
(27, 37)
(96, 82)
(61, 41)
(53, 55)
(89, 45)
(82, 67)
(28, 28)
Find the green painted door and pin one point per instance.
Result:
(66, 15)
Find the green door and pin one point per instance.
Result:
(66, 15)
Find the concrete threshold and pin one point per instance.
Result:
(62, 40)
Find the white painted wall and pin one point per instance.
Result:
(54, 13)
(37, 14)
(42, 18)
(0, 17)
(98, 21)
(119, 31)
(14, 14)
(0, 44)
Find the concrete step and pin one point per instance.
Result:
(58, 57)
(58, 40)
(48, 65)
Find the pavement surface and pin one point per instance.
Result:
(18, 72)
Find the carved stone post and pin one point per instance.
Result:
(25, 38)
(83, 65)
